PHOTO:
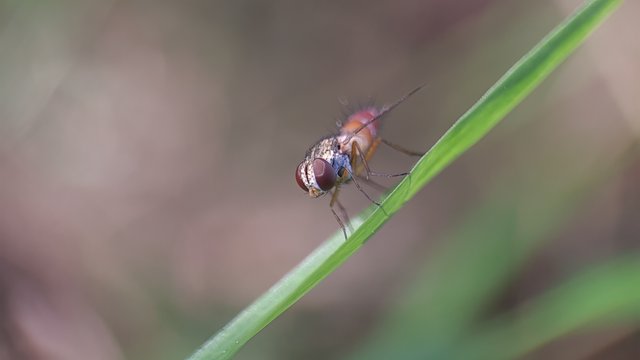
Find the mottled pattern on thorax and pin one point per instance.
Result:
(326, 148)
(329, 150)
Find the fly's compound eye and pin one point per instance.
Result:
(324, 173)
(299, 178)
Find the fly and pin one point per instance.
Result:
(340, 158)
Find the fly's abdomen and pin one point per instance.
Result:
(352, 129)
(359, 118)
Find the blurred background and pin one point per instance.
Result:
(147, 157)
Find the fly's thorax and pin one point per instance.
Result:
(347, 140)
(321, 169)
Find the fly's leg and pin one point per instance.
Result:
(345, 215)
(343, 211)
(373, 184)
(357, 153)
(373, 173)
(344, 231)
(402, 149)
(364, 158)
(335, 201)
(353, 177)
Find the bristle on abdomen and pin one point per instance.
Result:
(359, 118)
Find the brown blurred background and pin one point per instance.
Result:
(147, 154)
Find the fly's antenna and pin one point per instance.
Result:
(386, 109)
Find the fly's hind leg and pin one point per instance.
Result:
(381, 188)
(353, 178)
(357, 153)
(402, 149)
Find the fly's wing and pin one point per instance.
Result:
(386, 109)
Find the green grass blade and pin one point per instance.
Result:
(457, 284)
(516, 84)
(606, 294)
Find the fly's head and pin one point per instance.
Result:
(316, 176)
(321, 168)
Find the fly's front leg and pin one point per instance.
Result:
(344, 231)
(335, 201)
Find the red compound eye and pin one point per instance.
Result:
(299, 178)
(324, 173)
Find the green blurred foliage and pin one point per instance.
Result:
(147, 153)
